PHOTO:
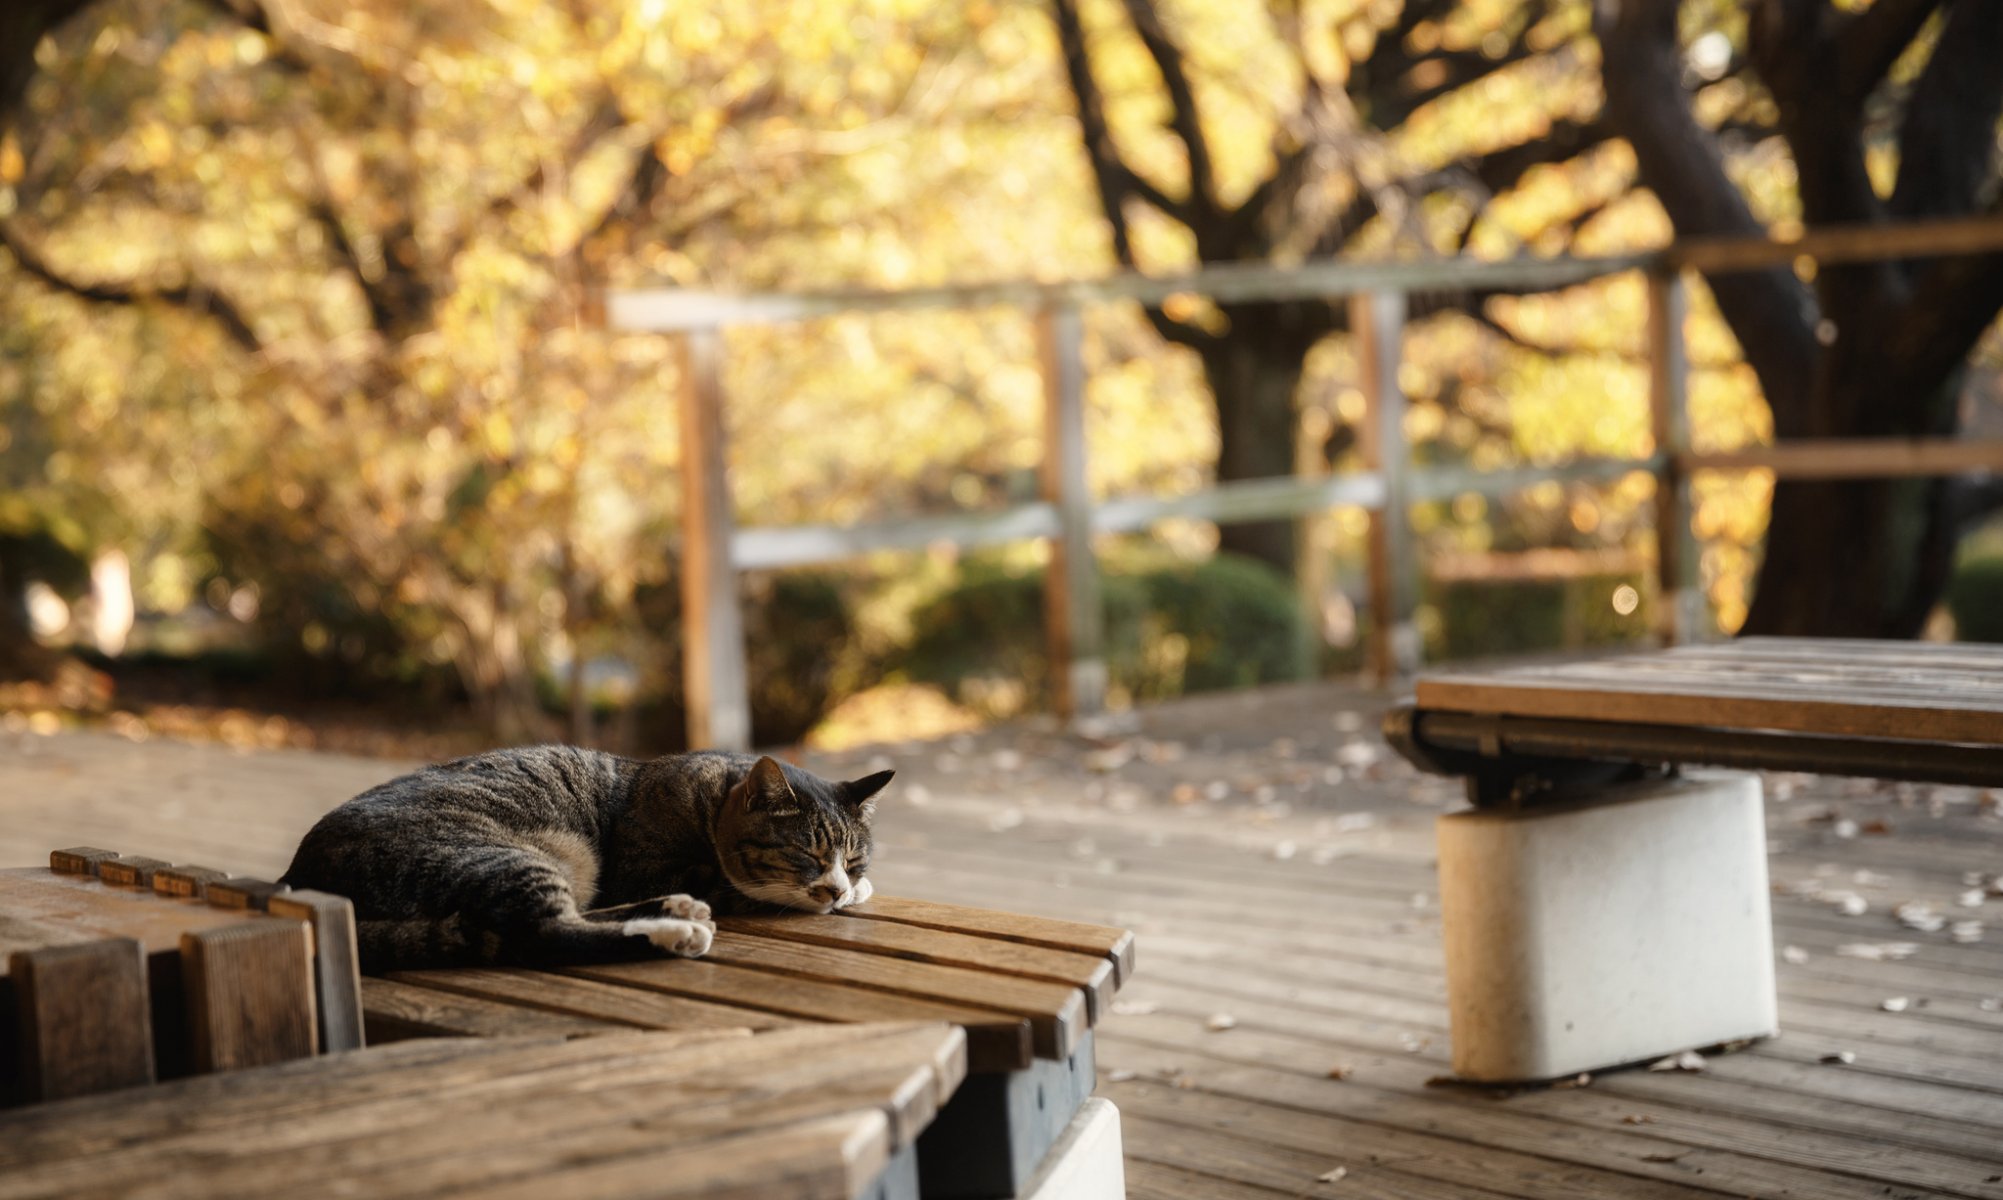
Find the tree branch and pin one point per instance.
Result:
(1947, 139)
(1769, 310)
(1184, 117)
(191, 297)
(1870, 42)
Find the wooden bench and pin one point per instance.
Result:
(1603, 902)
(1022, 995)
(120, 971)
(1027, 991)
(816, 1112)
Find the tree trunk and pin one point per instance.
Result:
(1253, 381)
(1863, 558)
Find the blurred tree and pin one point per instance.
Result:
(1889, 113)
(1346, 127)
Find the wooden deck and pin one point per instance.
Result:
(1286, 1020)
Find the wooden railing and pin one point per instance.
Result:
(714, 550)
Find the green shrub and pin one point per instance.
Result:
(1975, 597)
(1480, 617)
(1171, 627)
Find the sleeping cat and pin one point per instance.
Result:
(552, 854)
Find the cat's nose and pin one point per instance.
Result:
(823, 894)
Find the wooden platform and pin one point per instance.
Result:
(818, 1113)
(1950, 692)
(1313, 932)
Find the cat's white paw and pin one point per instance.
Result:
(687, 908)
(862, 891)
(690, 939)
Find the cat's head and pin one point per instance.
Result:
(794, 840)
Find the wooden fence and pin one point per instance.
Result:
(714, 549)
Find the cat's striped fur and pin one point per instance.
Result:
(553, 854)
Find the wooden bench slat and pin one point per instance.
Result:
(591, 998)
(1077, 936)
(996, 1041)
(337, 980)
(84, 1019)
(1056, 1012)
(250, 994)
(1917, 692)
(1092, 973)
(485, 1120)
(394, 1011)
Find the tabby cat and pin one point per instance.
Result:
(553, 854)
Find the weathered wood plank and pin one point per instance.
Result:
(996, 1040)
(1075, 936)
(337, 978)
(43, 908)
(250, 994)
(83, 1017)
(600, 1001)
(1056, 1012)
(1092, 973)
(394, 1011)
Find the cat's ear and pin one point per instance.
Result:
(766, 786)
(860, 794)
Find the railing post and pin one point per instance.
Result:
(1072, 614)
(714, 688)
(1679, 598)
(1377, 325)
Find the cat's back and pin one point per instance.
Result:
(520, 789)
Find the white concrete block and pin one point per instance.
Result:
(1593, 933)
(1086, 1162)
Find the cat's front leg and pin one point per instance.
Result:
(862, 891)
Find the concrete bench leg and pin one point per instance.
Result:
(1625, 926)
(1086, 1163)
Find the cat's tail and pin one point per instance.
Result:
(408, 944)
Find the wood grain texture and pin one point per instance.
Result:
(44, 908)
(243, 893)
(1911, 691)
(250, 994)
(128, 870)
(78, 860)
(337, 979)
(1076, 936)
(186, 881)
(996, 1041)
(83, 1017)
(394, 1011)
(652, 1114)
(635, 1007)
(1056, 1012)
(1091, 973)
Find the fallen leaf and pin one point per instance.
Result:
(1850, 904)
(1894, 1004)
(1972, 898)
(1340, 1072)
(1219, 1022)
(1916, 914)
(1577, 1081)
(1845, 1057)
(1664, 1158)
(1134, 1008)
(1121, 1076)
(1689, 1060)
(1637, 1119)
(1879, 827)
(1990, 1004)
(1966, 932)
(1794, 954)
(1878, 951)
(1334, 1176)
